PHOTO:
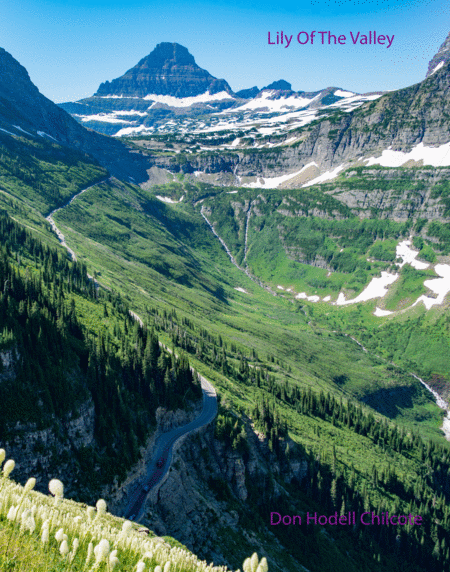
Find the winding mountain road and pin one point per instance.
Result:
(56, 230)
(162, 457)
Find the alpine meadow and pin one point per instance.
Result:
(224, 324)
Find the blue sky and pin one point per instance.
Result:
(70, 47)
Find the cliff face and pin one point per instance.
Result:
(207, 498)
(50, 452)
(398, 121)
(394, 197)
(7, 360)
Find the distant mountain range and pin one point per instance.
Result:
(167, 87)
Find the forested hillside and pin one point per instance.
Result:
(67, 345)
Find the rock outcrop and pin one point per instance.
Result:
(49, 452)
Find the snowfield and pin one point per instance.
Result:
(187, 101)
(434, 156)
(377, 288)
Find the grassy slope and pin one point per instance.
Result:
(165, 256)
(200, 284)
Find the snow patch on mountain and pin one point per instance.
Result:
(434, 156)
(377, 288)
(266, 100)
(274, 182)
(168, 199)
(340, 93)
(409, 256)
(103, 117)
(325, 176)
(440, 286)
(134, 130)
(172, 101)
(380, 313)
(438, 67)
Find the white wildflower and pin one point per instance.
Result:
(247, 566)
(29, 485)
(101, 508)
(90, 551)
(148, 554)
(140, 567)
(90, 512)
(29, 523)
(64, 548)
(56, 487)
(101, 551)
(45, 536)
(8, 468)
(263, 565)
(254, 562)
(2, 455)
(59, 536)
(113, 560)
(167, 566)
(12, 513)
(75, 545)
(158, 569)
(126, 527)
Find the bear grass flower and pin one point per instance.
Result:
(64, 548)
(101, 508)
(8, 468)
(104, 545)
(101, 551)
(56, 488)
(113, 560)
(45, 535)
(30, 484)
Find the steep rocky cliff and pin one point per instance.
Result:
(208, 501)
(51, 451)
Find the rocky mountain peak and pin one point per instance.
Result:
(168, 70)
(441, 58)
(281, 84)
